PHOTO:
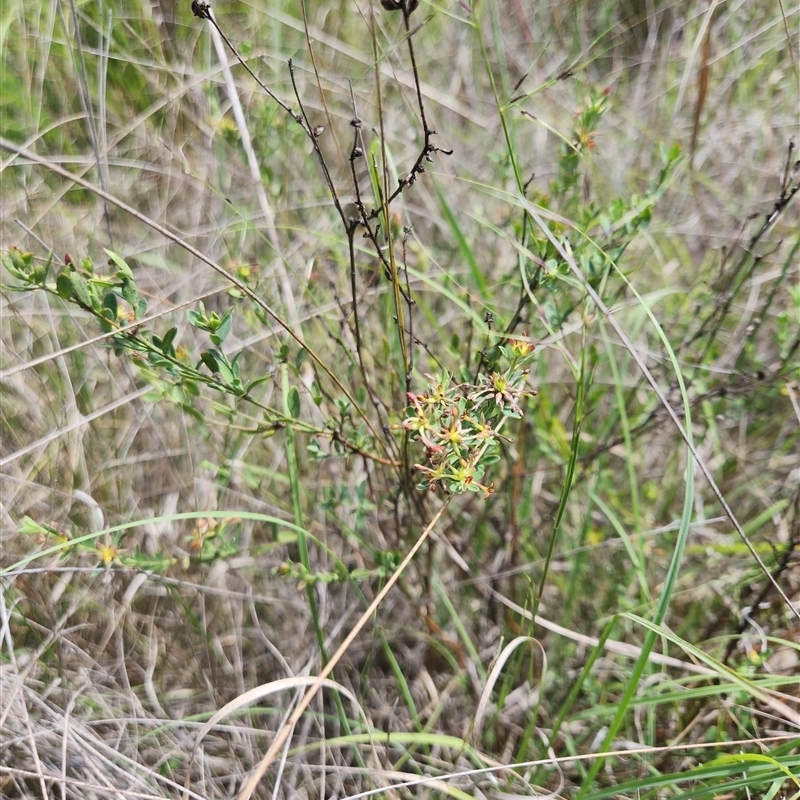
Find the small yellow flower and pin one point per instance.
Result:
(521, 347)
(107, 553)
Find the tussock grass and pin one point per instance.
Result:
(183, 563)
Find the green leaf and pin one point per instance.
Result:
(129, 291)
(9, 265)
(64, 286)
(315, 451)
(22, 261)
(30, 527)
(220, 408)
(210, 361)
(120, 264)
(82, 291)
(464, 246)
(157, 360)
(293, 402)
(257, 382)
(39, 274)
(226, 370)
(166, 343)
(753, 758)
(224, 326)
(110, 306)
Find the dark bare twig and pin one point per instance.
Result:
(365, 219)
(407, 295)
(355, 153)
(310, 130)
(351, 254)
(323, 98)
(715, 319)
(489, 320)
(202, 10)
(741, 271)
(362, 220)
(419, 343)
(428, 148)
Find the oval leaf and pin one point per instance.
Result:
(169, 338)
(130, 292)
(64, 286)
(120, 264)
(293, 402)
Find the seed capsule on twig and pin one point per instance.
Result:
(201, 9)
(396, 5)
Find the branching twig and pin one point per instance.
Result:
(790, 186)
(202, 10)
(428, 148)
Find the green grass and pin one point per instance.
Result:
(212, 431)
